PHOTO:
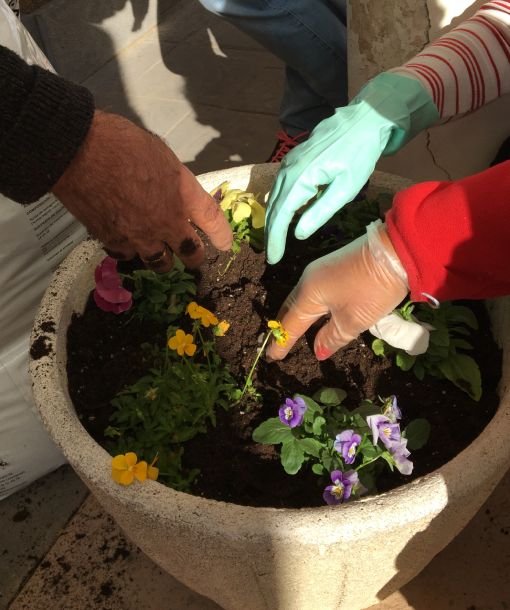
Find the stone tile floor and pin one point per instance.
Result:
(213, 94)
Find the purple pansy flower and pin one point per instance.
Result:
(346, 443)
(341, 490)
(109, 294)
(391, 409)
(292, 412)
(400, 453)
(383, 428)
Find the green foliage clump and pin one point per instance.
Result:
(451, 324)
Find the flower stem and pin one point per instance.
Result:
(257, 358)
(204, 350)
(227, 266)
(367, 463)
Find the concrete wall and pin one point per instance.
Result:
(385, 34)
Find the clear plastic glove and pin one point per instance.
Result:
(133, 194)
(342, 152)
(356, 285)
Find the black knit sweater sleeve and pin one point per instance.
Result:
(43, 121)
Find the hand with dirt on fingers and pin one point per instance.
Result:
(133, 194)
(356, 286)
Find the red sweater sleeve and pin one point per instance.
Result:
(453, 238)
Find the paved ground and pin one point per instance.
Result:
(213, 94)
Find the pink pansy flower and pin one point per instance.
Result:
(109, 294)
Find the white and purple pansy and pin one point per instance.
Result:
(341, 489)
(400, 453)
(346, 444)
(292, 412)
(383, 428)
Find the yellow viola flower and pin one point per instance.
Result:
(182, 343)
(240, 211)
(207, 318)
(241, 203)
(279, 333)
(153, 471)
(258, 214)
(126, 468)
(221, 328)
(193, 310)
(229, 199)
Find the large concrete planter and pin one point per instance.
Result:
(326, 558)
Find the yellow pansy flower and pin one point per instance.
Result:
(182, 343)
(126, 468)
(258, 214)
(153, 471)
(207, 318)
(279, 333)
(193, 310)
(242, 205)
(229, 199)
(221, 328)
(240, 211)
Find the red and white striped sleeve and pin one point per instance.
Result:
(469, 66)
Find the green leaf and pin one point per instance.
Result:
(440, 337)
(419, 369)
(461, 343)
(318, 469)
(318, 423)
(112, 432)
(366, 409)
(404, 360)
(311, 446)
(292, 456)
(417, 433)
(368, 450)
(386, 455)
(463, 315)
(359, 421)
(271, 432)
(330, 396)
(406, 310)
(460, 330)
(463, 371)
(379, 347)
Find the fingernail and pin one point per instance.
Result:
(322, 353)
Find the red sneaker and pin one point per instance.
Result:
(285, 143)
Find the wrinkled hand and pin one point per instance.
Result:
(341, 154)
(133, 194)
(356, 285)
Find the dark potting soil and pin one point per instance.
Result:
(104, 355)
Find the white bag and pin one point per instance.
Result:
(34, 239)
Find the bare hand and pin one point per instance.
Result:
(133, 194)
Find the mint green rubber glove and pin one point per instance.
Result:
(342, 152)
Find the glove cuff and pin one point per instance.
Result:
(403, 102)
(381, 254)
